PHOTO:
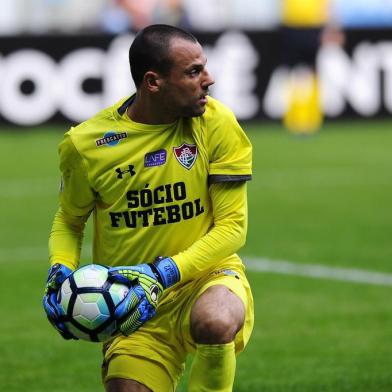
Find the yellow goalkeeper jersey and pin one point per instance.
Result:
(147, 186)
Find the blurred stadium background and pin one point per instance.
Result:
(319, 248)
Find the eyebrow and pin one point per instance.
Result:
(198, 66)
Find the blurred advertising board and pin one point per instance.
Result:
(69, 78)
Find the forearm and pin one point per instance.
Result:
(226, 236)
(65, 241)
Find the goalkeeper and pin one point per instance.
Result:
(163, 172)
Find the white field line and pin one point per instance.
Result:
(318, 271)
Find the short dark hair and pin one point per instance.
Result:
(150, 50)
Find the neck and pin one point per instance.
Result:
(144, 110)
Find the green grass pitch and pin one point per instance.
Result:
(325, 199)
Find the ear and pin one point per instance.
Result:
(152, 81)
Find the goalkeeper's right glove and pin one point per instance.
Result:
(148, 282)
(57, 274)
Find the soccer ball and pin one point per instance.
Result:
(89, 301)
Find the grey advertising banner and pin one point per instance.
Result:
(69, 78)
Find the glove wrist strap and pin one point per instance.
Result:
(167, 271)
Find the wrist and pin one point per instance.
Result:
(166, 270)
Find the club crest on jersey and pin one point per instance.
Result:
(186, 154)
(111, 138)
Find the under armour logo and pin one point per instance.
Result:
(130, 170)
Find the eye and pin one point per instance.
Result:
(194, 71)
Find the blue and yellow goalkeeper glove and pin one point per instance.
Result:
(148, 282)
(56, 276)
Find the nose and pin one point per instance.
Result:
(208, 80)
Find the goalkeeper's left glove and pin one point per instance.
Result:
(148, 282)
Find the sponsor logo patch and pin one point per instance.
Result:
(111, 138)
(186, 154)
(155, 158)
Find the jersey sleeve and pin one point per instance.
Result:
(77, 199)
(65, 241)
(229, 149)
(227, 235)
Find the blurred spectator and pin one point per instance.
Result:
(306, 24)
(217, 15)
(365, 13)
(123, 15)
(171, 12)
(114, 19)
(139, 12)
